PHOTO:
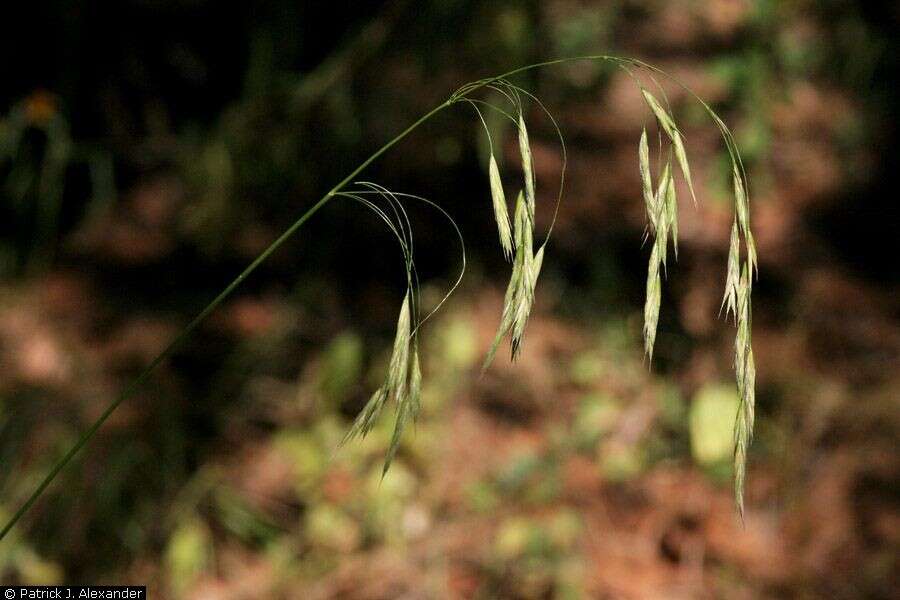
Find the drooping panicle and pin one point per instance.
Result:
(404, 380)
(661, 209)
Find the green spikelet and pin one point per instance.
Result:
(652, 302)
(646, 179)
(672, 215)
(365, 420)
(501, 215)
(681, 156)
(408, 405)
(662, 116)
(733, 274)
(510, 303)
(527, 166)
(668, 124)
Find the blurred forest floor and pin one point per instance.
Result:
(577, 471)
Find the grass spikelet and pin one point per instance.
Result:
(506, 319)
(403, 414)
(524, 235)
(663, 219)
(743, 429)
(367, 416)
(396, 384)
(742, 339)
(501, 214)
(415, 383)
(668, 124)
(526, 301)
(741, 207)
(745, 373)
(408, 404)
(523, 297)
(523, 310)
(513, 289)
(646, 180)
(527, 166)
(733, 274)
(742, 211)
(665, 120)
(737, 299)
(749, 401)
(751, 253)
(519, 298)
(681, 155)
(397, 371)
(741, 444)
(661, 243)
(652, 302)
(536, 267)
(672, 214)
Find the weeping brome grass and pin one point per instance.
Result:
(402, 385)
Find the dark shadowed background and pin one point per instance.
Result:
(150, 150)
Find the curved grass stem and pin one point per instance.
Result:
(131, 388)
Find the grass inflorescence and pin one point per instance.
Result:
(403, 382)
(662, 213)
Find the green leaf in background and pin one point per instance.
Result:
(188, 553)
(513, 537)
(620, 461)
(327, 526)
(341, 368)
(306, 456)
(460, 344)
(711, 424)
(597, 415)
